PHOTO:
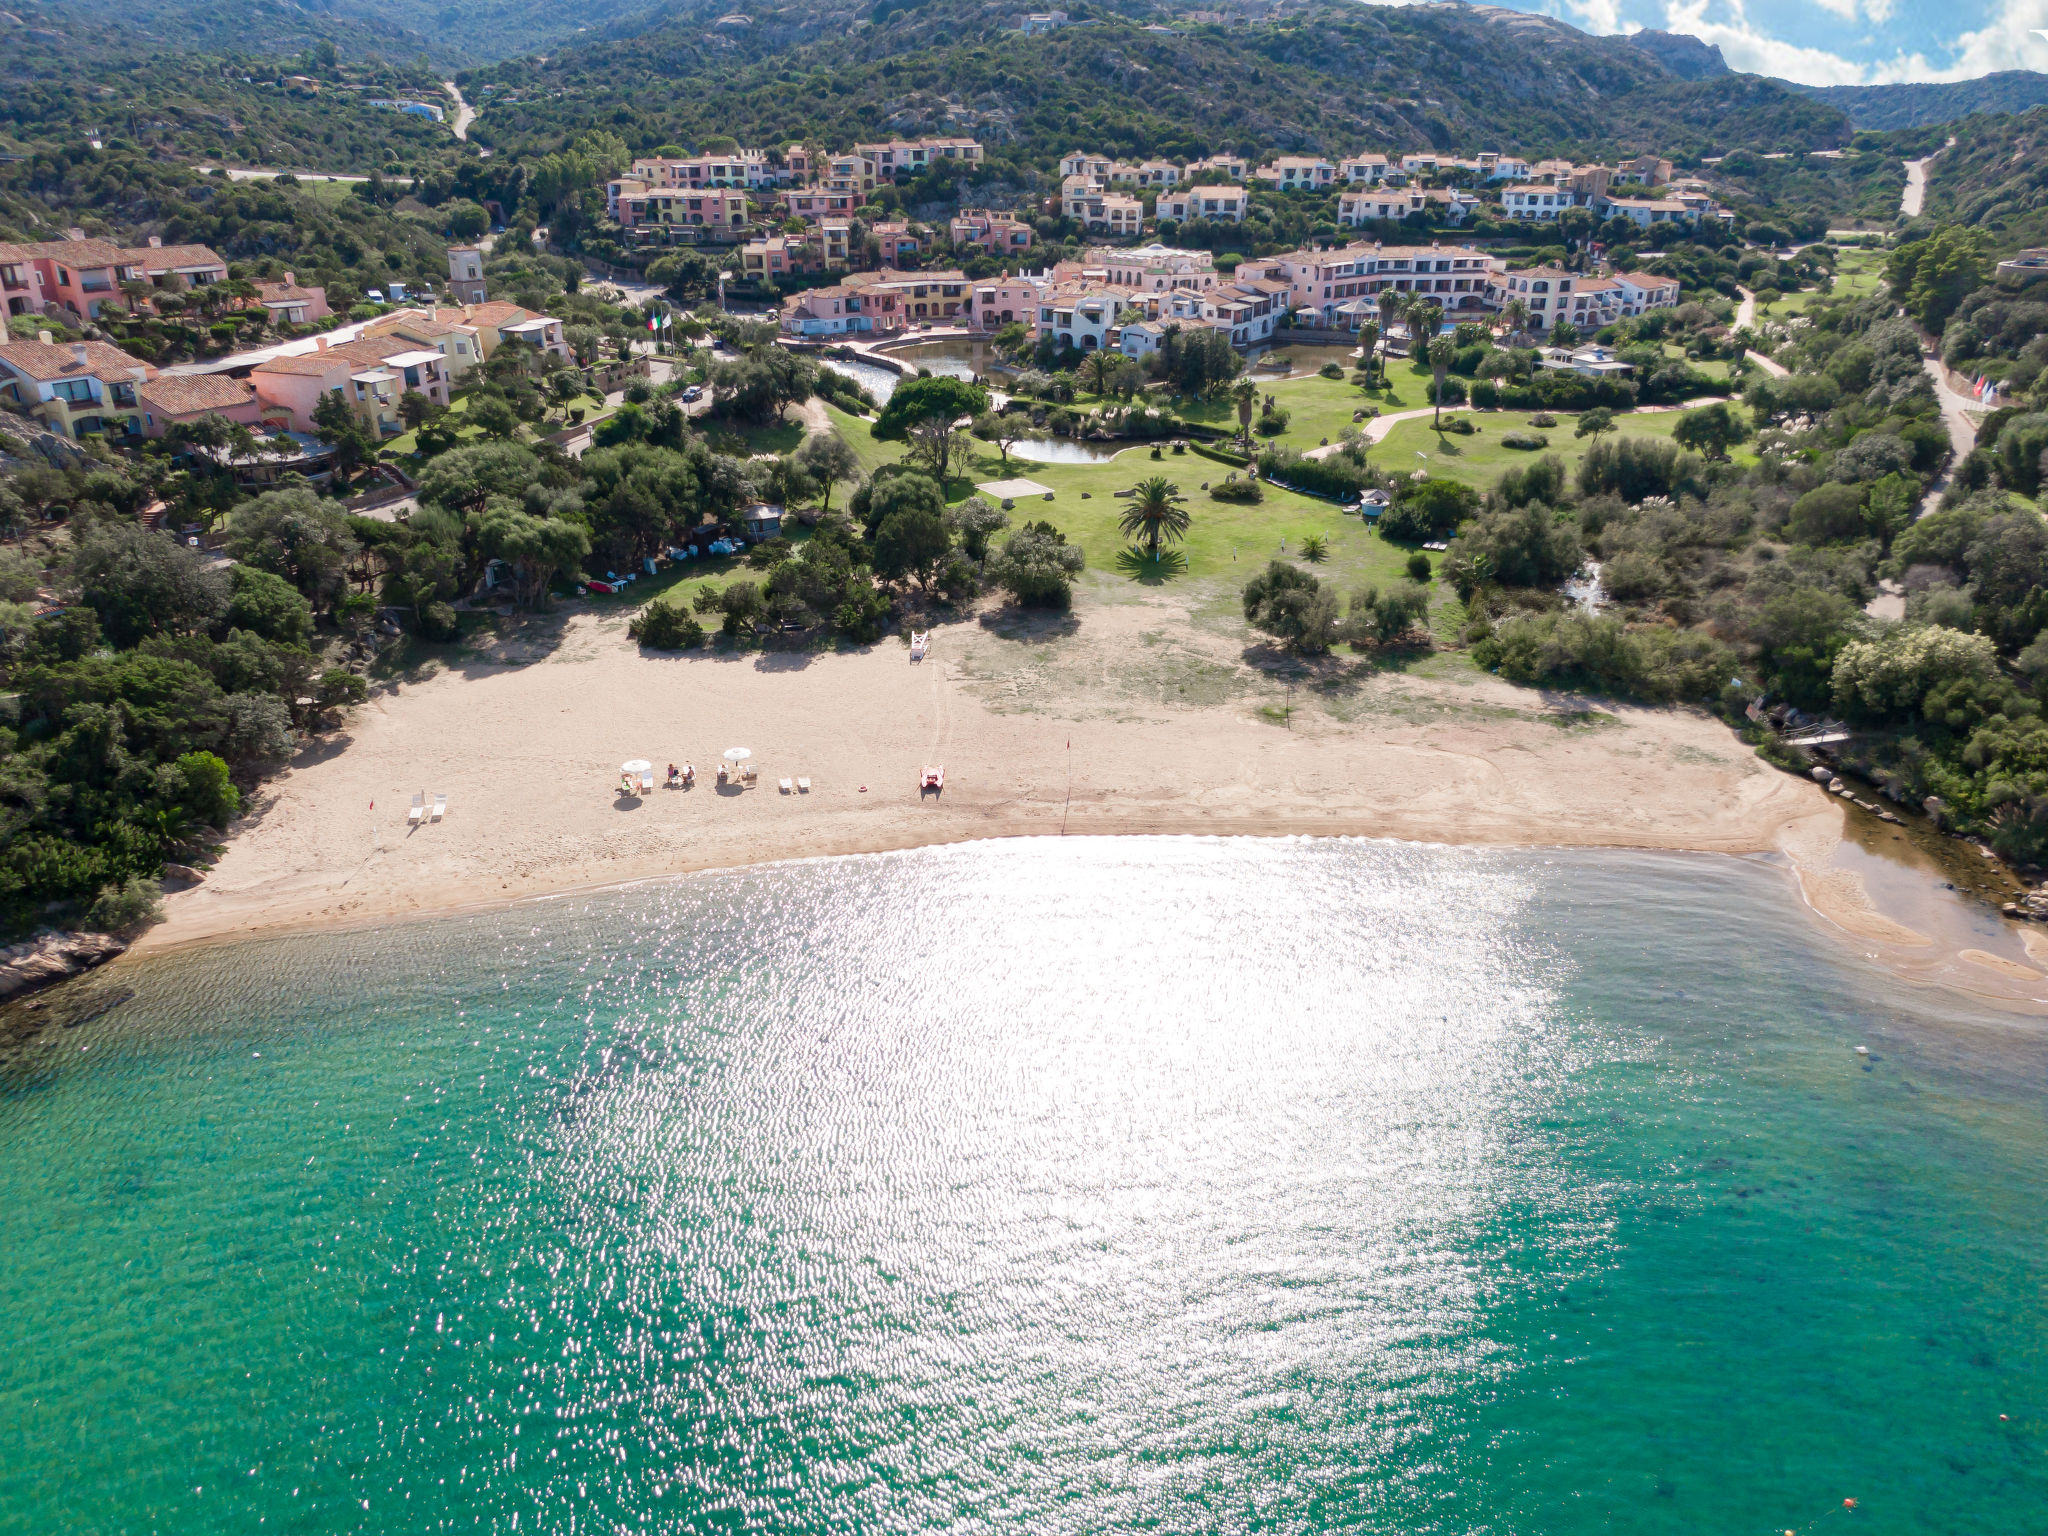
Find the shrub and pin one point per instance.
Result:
(1336, 477)
(1331, 371)
(1287, 602)
(666, 627)
(127, 908)
(1418, 567)
(1543, 419)
(1245, 489)
(1380, 618)
(1601, 653)
(1427, 509)
(1528, 442)
(1827, 514)
(1037, 566)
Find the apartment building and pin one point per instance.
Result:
(289, 304)
(1641, 292)
(650, 214)
(1649, 212)
(747, 168)
(1645, 170)
(1224, 204)
(1540, 201)
(771, 258)
(371, 373)
(1356, 208)
(460, 345)
(171, 400)
(1003, 301)
(1150, 268)
(1081, 163)
(1298, 173)
(849, 173)
(1098, 210)
(84, 276)
(1553, 294)
(1320, 282)
(1080, 315)
(74, 390)
(908, 157)
(996, 233)
(818, 203)
(1363, 170)
(1227, 167)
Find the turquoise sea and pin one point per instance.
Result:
(1060, 1186)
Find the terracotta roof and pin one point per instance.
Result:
(45, 363)
(280, 292)
(163, 258)
(190, 394)
(306, 364)
(78, 253)
(496, 313)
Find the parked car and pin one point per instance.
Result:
(374, 295)
(694, 392)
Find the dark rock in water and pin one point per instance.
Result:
(52, 957)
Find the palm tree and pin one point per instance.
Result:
(1156, 511)
(1443, 351)
(1393, 306)
(1098, 370)
(1368, 344)
(1516, 313)
(1245, 393)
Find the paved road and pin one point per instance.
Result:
(1914, 198)
(465, 114)
(267, 173)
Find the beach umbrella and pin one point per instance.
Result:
(637, 765)
(737, 754)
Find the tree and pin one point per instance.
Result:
(1287, 602)
(1711, 430)
(338, 424)
(467, 220)
(1827, 514)
(938, 398)
(1156, 511)
(1004, 429)
(1527, 547)
(464, 479)
(1515, 315)
(1932, 277)
(1037, 566)
(494, 417)
(1427, 509)
(294, 534)
(1381, 617)
(1097, 367)
(140, 583)
(269, 606)
(1564, 333)
(827, 458)
(1907, 668)
(1443, 351)
(935, 443)
(1369, 346)
(535, 548)
(1595, 423)
(1245, 394)
(973, 521)
(911, 542)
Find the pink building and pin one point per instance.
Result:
(171, 399)
(84, 276)
(996, 233)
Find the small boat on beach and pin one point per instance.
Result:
(933, 779)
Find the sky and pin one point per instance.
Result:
(1834, 42)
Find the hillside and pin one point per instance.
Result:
(449, 33)
(1317, 77)
(1887, 107)
(1995, 179)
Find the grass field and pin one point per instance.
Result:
(407, 443)
(1857, 275)
(1480, 460)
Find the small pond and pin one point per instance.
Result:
(1300, 361)
(1065, 450)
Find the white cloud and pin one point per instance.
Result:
(1602, 16)
(2005, 42)
(1846, 9)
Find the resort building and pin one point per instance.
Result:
(1356, 208)
(1079, 316)
(1367, 170)
(700, 214)
(879, 303)
(1099, 211)
(818, 203)
(1227, 167)
(1151, 268)
(1298, 173)
(371, 373)
(74, 390)
(908, 157)
(171, 400)
(289, 304)
(1540, 201)
(1641, 292)
(1647, 213)
(747, 168)
(1222, 204)
(997, 302)
(1322, 282)
(460, 345)
(84, 276)
(996, 233)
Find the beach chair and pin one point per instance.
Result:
(419, 808)
(785, 785)
(647, 782)
(803, 786)
(918, 644)
(689, 774)
(723, 775)
(750, 773)
(440, 806)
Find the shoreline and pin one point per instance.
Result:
(1140, 717)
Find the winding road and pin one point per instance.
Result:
(1914, 198)
(465, 114)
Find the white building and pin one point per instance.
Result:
(1225, 204)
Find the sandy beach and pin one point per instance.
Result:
(1128, 717)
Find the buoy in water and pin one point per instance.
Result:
(1848, 1503)
(1862, 1050)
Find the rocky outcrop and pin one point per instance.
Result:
(52, 957)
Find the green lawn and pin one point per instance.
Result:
(1480, 459)
(407, 443)
(1228, 541)
(1857, 275)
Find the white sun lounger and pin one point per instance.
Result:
(419, 808)
(647, 782)
(784, 785)
(803, 786)
(440, 807)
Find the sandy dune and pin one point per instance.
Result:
(1171, 731)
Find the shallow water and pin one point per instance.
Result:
(1064, 450)
(1069, 1186)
